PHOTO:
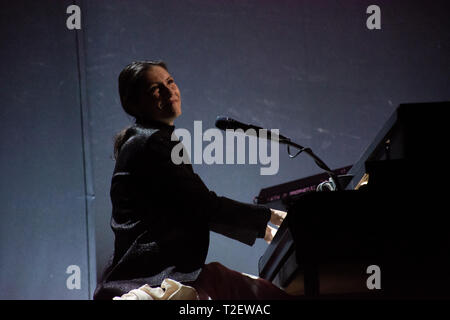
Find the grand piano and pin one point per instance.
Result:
(385, 233)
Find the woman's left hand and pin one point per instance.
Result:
(277, 217)
(270, 233)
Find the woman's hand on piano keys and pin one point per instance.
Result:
(277, 217)
(270, 233)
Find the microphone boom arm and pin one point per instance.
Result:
(317, 160)
(225, 123)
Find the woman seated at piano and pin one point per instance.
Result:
(162, 213)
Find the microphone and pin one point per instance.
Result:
(224, 123)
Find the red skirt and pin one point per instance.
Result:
(217, 282)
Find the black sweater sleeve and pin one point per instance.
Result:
(237, 220)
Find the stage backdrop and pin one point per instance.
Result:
(313, 70)
(46, 233)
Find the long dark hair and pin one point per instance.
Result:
(132, 83)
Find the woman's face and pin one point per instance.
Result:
(161, 99)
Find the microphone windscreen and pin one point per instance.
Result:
(224, 123)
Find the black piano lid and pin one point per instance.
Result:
(416, 126)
